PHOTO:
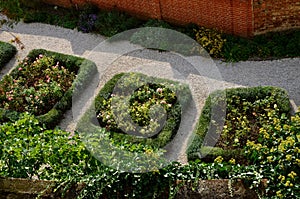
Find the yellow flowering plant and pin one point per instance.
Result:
(276, 155)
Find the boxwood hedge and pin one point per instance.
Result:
(196, 150)
(85, 69)
(173, 119)
(7, 51)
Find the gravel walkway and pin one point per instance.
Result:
(283, 73)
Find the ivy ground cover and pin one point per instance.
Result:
(42, 84)
(246, 112)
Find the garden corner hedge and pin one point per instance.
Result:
(7, 52)
(280, 100)
(84, 70)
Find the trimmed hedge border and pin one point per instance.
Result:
(194, 150)
(86, 69)
(7, 52)
(172, 124)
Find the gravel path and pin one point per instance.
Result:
(284, 73)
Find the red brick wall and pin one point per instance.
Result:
(275, 15)
(231, 16)
(240, 17)
(141, 8)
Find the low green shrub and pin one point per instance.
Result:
(267, 46)
(113, 22)
(7, 52)
(43, 84)
(246, 112)
(36, 86)
(43, 13)
(68, 20)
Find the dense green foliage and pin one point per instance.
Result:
(246, 112)
(7, 51)
(43, 85)
(27, 150)
(276, 153)
(265, 136)
(268, 46)
(36, 86)
(163, 93)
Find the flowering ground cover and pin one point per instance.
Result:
(41, 84)
(133, 117)
(245, 111)
(145, 96)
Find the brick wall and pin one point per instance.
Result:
(275, 15)
(140, 8)
(231, 16)
(240, 17)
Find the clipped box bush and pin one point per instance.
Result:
(142, 97)
(61, 75)
(246, 111)
(7, 51)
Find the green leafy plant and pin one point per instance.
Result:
(28, 150)
(275, 157)
(7, 51)
(42, 86)
(163, 93)
(246, 112)
(36, 87)
(12, 9)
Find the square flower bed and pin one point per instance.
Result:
(172, 96)
(247, 111)
(42, 84)
(127, 115)
(7, 51)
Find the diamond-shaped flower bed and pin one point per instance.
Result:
(42, 84)
(247, 110)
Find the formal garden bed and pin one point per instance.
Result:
(57, 163)
(29, 150)
(135, 115)
(143, 93)
(42, 84)
(245, 112)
